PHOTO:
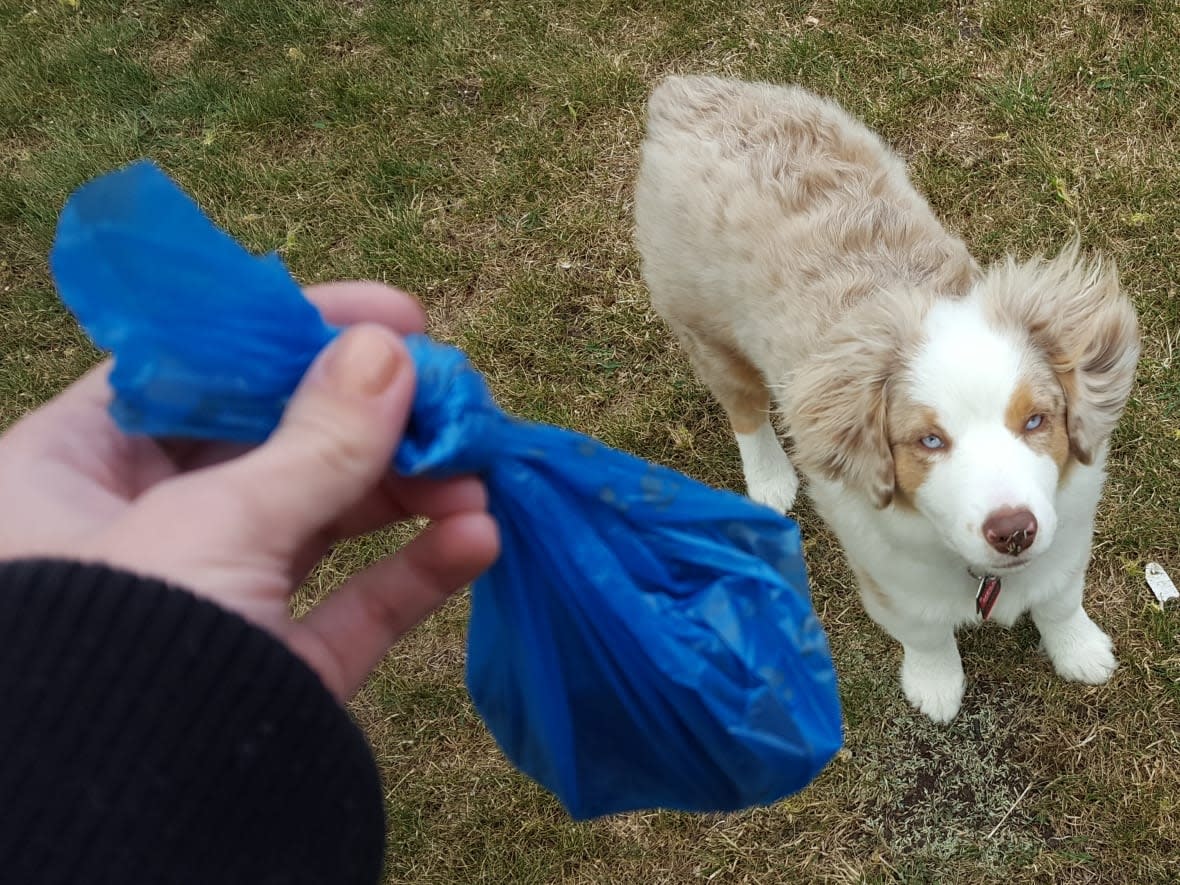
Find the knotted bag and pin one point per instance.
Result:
(643, 640)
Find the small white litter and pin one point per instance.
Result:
(1159, 582)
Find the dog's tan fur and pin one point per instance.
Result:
(798, 265)
(811, 215)
(1075, 314)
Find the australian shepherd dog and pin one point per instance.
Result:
(951, 421)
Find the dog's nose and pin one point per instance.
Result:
(1010, 531)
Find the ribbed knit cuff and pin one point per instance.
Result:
(147, 735)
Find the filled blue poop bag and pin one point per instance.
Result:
(643, 641)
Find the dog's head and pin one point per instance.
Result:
(972, 410)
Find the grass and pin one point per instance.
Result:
(481, 153)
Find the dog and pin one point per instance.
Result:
(952, 422)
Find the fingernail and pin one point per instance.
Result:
(363, 361)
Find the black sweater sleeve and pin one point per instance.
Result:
(147, 735)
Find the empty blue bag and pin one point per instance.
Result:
(643, 641)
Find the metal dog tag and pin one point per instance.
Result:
(987, 594)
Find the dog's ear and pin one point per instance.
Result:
(1073, 310)
(836, 408)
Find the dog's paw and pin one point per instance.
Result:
(776, 491)
(1080, 651)
(936, 691)
(770, 477)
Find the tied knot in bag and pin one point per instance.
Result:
(455, 426)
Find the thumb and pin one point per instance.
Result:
(336, 439)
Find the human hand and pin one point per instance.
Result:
(243, 527)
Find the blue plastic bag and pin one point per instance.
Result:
(643, 641)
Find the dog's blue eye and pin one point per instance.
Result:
(1034, 422)
(932, 441)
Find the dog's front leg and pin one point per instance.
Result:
(931, 670)
(1079, 649)
(770, 478)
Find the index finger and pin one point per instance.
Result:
(366, 301)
